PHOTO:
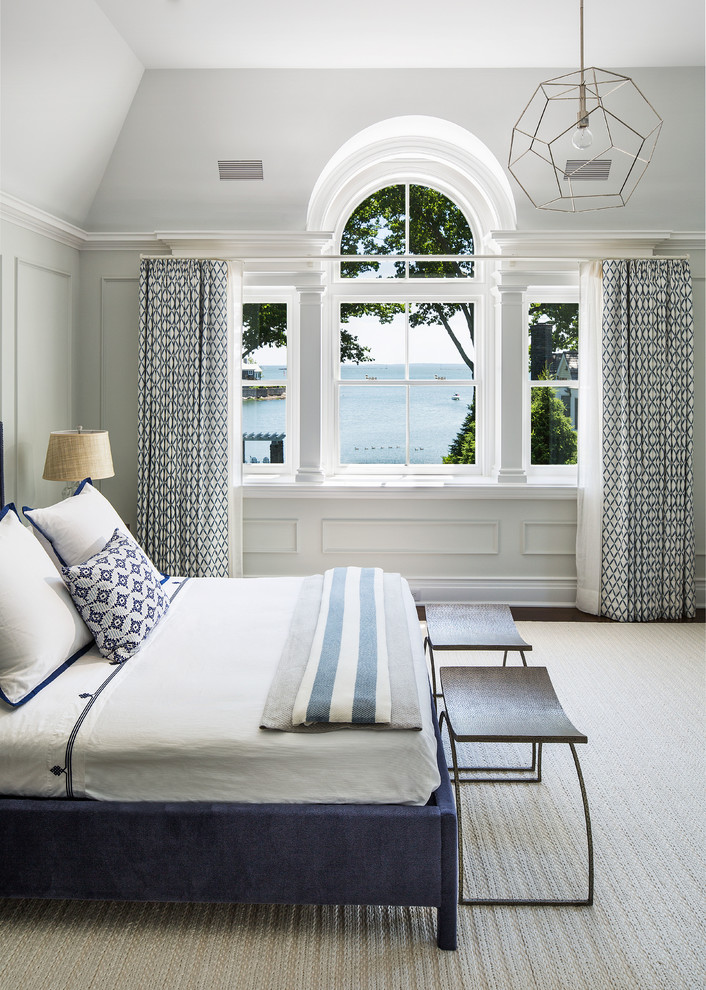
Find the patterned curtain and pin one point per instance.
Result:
(183, 444)
(648, 410)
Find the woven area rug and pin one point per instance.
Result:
(637, 691)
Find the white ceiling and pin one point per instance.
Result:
(91, 135)
(413, 33)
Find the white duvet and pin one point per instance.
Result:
(180, 720)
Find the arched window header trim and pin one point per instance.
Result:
(463, 169)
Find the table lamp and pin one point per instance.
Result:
(76, 454)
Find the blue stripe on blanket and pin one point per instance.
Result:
(364, 701)
(367, 676)
(319, 707)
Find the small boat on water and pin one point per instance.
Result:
(456, 397)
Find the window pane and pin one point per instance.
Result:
(376, 226)
(441, 425)
(553, 341)
(265, 340)
(264, 424)
(432, 352)
(554, 418)
(372, 422)
(372, 340)
(437, 226)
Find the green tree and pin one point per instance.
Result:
(463, 448)
(378, 226)
(553, 439)
(435, 226)
(564, 316)
(265, 325)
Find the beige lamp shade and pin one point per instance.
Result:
(76, 454)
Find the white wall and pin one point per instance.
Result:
(40, 294)
(505, 544)
(106, 386)
(163, 173)
(67, 82)
(69, 317)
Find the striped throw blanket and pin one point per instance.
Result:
(347, 678)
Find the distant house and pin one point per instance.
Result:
(252, 372)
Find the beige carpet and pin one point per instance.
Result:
(637, 691)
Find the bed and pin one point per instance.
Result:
(113, 828)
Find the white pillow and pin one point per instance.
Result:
(77, 527)
(41, 632)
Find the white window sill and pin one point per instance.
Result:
(279, 486)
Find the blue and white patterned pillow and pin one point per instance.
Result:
(119, 595)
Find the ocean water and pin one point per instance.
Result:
(375, 419)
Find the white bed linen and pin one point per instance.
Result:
(180, 720)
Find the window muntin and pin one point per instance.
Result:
(265, 386)
(402, 220)
(402, 387)
(553, 372)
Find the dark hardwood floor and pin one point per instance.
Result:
(528, 613)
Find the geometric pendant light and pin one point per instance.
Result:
(584, 140)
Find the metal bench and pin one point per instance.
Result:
(472, 627)
(508, 705)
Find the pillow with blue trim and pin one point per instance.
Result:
(41, 633)
(77, 527)
(119, 594)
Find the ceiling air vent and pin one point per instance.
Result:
(583, 169)
(240, 170)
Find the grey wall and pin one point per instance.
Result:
(69, 316)
(163, 172)
(38, 348)
(492, 544)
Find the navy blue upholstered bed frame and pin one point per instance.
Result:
(240, 853)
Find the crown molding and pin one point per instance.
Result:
(314, 244)
(599, 244)
(32, 218)
(275, 244)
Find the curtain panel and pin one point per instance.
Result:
(648, 551)
(589, 530)
(185, 348)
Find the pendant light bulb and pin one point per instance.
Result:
(582, 137)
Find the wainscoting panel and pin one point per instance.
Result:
(549, 538)
(118, 388)
(270, 536)
(414, 536)
(43, 360)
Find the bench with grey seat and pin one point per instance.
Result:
(508, 705)
(472, 627)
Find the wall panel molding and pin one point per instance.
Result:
(43, 362)
(548, 537)
(118, 386)
(106, 282)
(271, 536)
(410, 536)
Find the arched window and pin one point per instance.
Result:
(405, 381)
(407, 219)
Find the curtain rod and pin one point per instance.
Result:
(416, 258)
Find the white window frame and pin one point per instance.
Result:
(472, 289)
(252, 295)
(437, 290)
(563, 473)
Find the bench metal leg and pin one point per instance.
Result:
(522, 654)
(512, 901)
(435, 693)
